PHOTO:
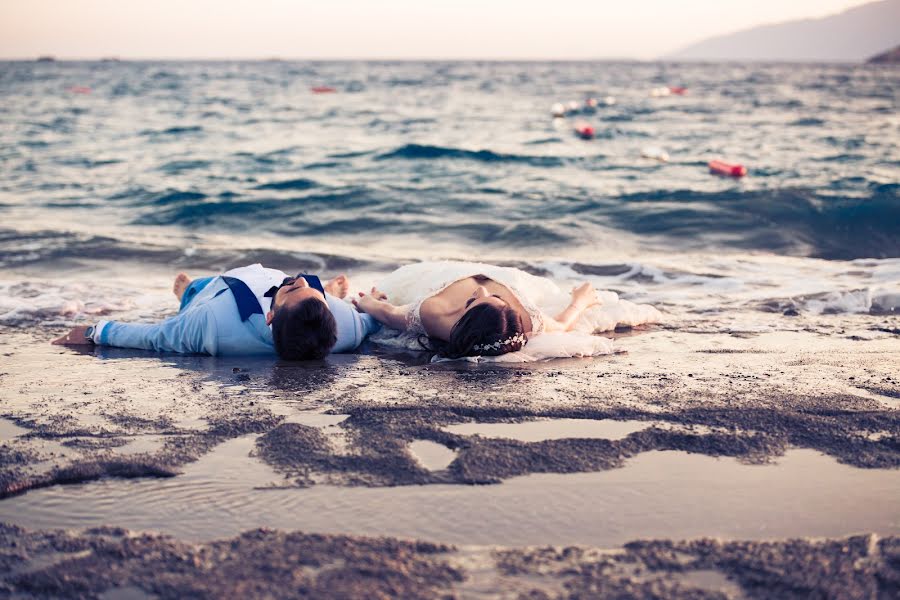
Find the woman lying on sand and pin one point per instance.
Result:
(462, 309)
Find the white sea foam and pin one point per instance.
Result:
(852, 301)
(700, 284)
(58, 302)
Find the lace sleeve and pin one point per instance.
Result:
(537, 317)
(414, 317)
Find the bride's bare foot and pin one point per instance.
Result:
(339, 286)
(181, 283)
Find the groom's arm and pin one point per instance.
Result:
(192, 332)
(352, 327)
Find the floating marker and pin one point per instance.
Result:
(660, 92)
(719, 167)
(323, 89)
(80, 89)
(558, 110)
(677, 90)
(584, 131)
(656, 153)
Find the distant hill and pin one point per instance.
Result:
(889, 56)
(850, 36)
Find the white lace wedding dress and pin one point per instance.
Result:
(411, 285)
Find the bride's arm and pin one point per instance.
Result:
(376, 304)
(583, 297)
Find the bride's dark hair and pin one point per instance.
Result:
(484, 330)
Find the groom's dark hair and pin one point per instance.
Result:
(306, 331)
(484, 330)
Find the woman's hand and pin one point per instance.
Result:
(370, 303)
(584, 296)
(375, 303)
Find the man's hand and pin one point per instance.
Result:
(339, 286)
(75, 338)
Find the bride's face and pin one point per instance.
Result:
(482, 296)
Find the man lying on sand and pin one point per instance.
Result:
(248, 310)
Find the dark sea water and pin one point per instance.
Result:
(166, 166)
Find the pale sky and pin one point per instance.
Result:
(491, 29)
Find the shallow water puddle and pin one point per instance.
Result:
(712, 580)
(328, 423)
(552, 429)
(140, 444)
(126, 593)
(41, 562)
(9, 430)
(657, 495)
(432, 456)
(316, 419)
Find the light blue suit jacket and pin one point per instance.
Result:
(210, 324)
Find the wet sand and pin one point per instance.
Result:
(115, 563)
(774, 455)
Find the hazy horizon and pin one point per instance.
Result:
(404, 30)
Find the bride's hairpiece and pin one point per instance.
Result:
(519, 337)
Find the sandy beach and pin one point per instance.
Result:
(695, 465)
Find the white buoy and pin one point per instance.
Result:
(660, 92)
(558, 110)
(609, 100)
(572, 106)
(655, 153)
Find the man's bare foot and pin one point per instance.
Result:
(181, 283)
(339, 286)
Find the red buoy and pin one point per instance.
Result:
(323, 89)
(80, 89)
(677, 90)
(727, 169)
(584, 131)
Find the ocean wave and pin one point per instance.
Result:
(872, 301)
(62, 249)
(175, 130)
(239, 212)
(843, 158)
(542, 141)
(180, 166)
(58, 250)
(176, 197)
(791, 221)
(807, 122)
(428, 152)
(290, 184)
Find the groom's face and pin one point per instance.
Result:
(292, 294)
